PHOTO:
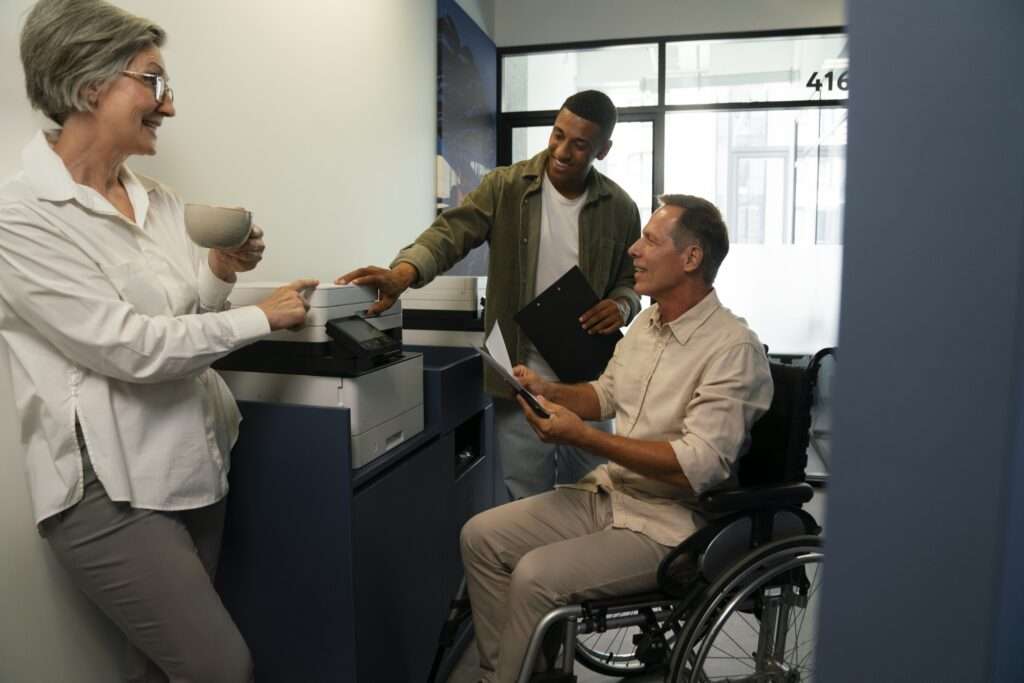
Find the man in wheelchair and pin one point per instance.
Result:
(684, 386)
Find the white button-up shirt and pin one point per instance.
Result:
(699, 383)
(115, 324)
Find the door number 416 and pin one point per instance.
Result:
(827, 80)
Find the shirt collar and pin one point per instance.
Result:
(51, 180)
(688, 323)
(45, 171)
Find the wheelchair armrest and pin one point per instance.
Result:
(736, 500)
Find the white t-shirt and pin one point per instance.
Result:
(559, 251)
(116, 323)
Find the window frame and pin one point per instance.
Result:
(654, 113)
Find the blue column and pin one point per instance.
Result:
(925, 532)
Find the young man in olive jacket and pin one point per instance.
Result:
(540, 217)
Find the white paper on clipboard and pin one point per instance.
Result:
(495, 353)
(495, 345)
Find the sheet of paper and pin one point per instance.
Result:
(485, 354)
(505, 374)
(495, 345)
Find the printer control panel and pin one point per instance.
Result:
(361, 339)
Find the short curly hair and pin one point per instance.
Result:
(594, 106)
(69, 45)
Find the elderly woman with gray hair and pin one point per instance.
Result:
(112, 317)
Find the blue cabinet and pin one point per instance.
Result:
(402, 530)
(341, 575)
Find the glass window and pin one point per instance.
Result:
(542, 80)
(777, 175)
(756, 70)
(528, 140)
(820, 175)
(630, 163)
(831, 175)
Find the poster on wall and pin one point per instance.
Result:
(467, 101)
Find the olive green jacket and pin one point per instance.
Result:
(505, 210)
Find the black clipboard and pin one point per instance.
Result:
(552, 323)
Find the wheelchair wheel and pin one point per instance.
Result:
(758, 621)
(633, 650)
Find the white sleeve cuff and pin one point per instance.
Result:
(213, 292)
(249, 323)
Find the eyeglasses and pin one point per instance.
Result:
(158, 83)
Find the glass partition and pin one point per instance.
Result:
(756, 70)
(541, 81)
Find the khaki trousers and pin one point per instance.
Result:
(151, 574)
(525, 558)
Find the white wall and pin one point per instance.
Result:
(529, 22)
(317, 115)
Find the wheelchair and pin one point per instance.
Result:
(736, 601)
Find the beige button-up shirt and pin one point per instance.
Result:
(699, 383)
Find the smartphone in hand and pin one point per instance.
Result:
(534, 404)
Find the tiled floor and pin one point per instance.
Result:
(466, 671)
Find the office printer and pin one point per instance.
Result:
(446, 312)
(339, 358)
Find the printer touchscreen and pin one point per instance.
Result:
(360, 330)
(360, 337)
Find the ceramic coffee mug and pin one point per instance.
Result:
(217, 227)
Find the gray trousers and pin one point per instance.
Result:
(525, 558)
(531, 466)
(151, 574)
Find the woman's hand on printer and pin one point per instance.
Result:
(286, 307)
(389, 283)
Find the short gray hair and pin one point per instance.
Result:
(701, 222)
(70, 45)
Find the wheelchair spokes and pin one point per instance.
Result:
(628, 643)
(761, 627)
(613, 649)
